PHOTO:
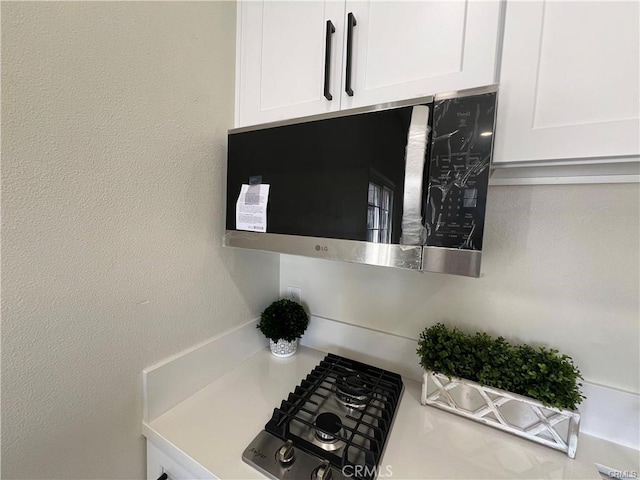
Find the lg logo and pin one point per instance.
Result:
(320, 248)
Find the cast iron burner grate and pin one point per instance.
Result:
(365, 397)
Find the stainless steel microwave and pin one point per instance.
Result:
(401, 184)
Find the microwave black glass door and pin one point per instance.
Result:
(335, 178)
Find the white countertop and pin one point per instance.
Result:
(215, 425)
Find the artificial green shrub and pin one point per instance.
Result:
(283, 319)
(540, 373)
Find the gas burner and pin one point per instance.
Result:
(329, 425)
(329, 437)
(352, 390)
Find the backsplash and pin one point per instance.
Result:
(561, 269)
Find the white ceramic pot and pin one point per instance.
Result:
(283, 348)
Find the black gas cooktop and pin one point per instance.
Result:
(334, 425)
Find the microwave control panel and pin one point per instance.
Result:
(458, 176)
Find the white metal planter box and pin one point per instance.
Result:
(513, 413)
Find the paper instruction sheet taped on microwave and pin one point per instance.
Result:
(251, 208)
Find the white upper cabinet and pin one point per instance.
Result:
(569, 82)
(398, 50)
(282, 46)
(406, 49)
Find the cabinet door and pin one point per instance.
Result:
(281, 59)
(408, 49)
(569, 81)
(158, 464)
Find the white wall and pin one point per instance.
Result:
(561, 267)
(114, 119)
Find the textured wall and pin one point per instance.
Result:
(561, 268)
(114, 119)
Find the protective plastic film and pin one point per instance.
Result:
(458, 177)
(413, 230)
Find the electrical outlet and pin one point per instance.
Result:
(295, 294)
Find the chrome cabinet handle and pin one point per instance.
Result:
(351, 22)
(327, 60)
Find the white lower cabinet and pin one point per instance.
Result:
(158, 464)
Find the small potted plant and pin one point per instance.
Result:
(532, 392)
(283, 323)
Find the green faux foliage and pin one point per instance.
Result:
(283, 319)
(539, 373)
